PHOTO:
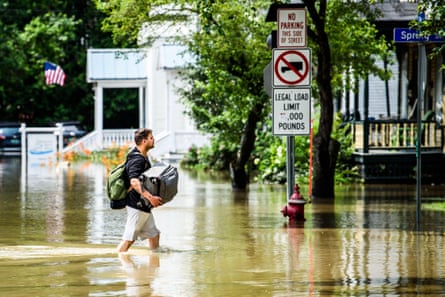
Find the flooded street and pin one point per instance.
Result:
(58, 238)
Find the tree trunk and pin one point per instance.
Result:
(239, 177)
(325, 158)
(238, 173)
(325, 149)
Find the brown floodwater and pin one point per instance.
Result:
(58, 238)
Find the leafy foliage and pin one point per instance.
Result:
(125, 18)
(346, 170)
(270, 156)
(356, 43)
(434, 20)
(210, 158)
(225, 82)
(36, 31)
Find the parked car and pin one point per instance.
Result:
(72, 130)
(10, 137)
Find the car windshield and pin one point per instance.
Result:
(70, 128)
(8, 131)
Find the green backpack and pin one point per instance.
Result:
(116, 188)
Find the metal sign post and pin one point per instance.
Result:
(290, 164)
(407, 35)
(290, 75)
(291, 81)
(421, 64)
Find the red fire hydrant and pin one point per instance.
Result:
(295, 206)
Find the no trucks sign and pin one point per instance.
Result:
(292, 68)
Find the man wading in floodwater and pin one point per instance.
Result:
(140, 222)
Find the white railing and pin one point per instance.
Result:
(99, 140)
(165, 142)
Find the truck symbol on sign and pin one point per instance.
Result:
(296, 65)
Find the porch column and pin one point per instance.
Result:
(365, 116)
(98, 107)
(98, 112)
(149, 107)
(404, 85)
(141, 108)
(438, 90)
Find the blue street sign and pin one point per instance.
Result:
(412, 35)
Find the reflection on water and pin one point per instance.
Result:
(59, 238)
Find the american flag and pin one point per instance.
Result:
(54, 74)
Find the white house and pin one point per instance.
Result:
(154, 71)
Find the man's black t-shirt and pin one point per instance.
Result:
(135, 166)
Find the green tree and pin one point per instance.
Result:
(10, 75)
(32, 32)
(344, 41)
(45, 38)
(434, 22)
(226, 95)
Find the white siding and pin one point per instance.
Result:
(116, 64)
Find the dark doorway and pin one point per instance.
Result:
(121, 108)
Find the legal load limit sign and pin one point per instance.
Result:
(291, 111)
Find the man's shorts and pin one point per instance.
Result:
(139, 225)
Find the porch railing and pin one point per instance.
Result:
(395, 135)
(165, 142)
(98, 140)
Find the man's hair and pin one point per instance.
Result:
(141, 134)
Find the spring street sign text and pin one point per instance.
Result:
(412, 35)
